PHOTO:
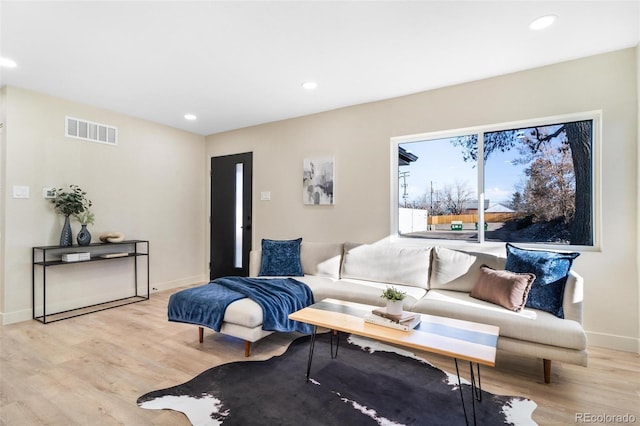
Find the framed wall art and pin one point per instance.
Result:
(318, 180)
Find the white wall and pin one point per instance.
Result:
(151, 187)
(359, 138)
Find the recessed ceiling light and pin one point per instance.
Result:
(6, 62)
(190, 117)
(310, 85)
(543, 22)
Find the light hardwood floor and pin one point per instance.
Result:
(90, 370)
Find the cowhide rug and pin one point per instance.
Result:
(368, 384)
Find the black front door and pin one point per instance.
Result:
(230, 215)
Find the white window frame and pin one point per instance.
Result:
(595, 116)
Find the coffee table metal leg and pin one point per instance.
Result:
(311, 346)
(334, 354)
(476, 390)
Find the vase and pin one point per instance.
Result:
(66, 237)
(394, 307)
(84, 236)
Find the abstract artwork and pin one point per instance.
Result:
(317, 180)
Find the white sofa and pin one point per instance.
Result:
(437, 281)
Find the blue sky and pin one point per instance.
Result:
(441, 162)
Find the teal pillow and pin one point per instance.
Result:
(551, 270)
(281, 258)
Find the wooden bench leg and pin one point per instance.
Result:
(247, 347)
(201, 334)
(547, 370)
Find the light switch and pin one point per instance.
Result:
(265, 195)
(20, 191)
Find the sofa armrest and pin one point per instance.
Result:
(573, 297)
(255, 260)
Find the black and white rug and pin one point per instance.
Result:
(368, 384)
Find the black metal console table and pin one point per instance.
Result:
(49, 256)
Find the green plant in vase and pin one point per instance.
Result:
(67, 203)
(85, 218)
(393, 294)
(394, 299)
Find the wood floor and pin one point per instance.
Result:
(90, 370)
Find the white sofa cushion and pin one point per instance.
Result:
(386, 264)
(244, 312)
(529, 324)
(321, 259)
(457, 270)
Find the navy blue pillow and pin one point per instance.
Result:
(551, 270)
(281, 258)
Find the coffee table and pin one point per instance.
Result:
(458, 339)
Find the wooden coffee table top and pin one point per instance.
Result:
(464, 340)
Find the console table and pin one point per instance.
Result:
(45, 257)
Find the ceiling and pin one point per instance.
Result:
(239, 63)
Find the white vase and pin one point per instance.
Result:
(394, 307)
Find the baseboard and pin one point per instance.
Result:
(612, 341)
(168, 285)
(7, 318)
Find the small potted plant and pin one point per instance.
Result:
(68, 203)
(394, 299)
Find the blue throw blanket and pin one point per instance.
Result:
(278, 297)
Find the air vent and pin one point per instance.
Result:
(89, 131)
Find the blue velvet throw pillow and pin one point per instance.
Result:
(551, 270)
(281, 258)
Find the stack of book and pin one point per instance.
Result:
(76, 257)
(406, 321)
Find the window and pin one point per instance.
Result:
(529, 182)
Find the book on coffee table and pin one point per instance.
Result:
(405, 325)
(404, 317)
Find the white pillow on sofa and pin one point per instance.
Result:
(386, 264)
(321, 258)
(457, 270)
